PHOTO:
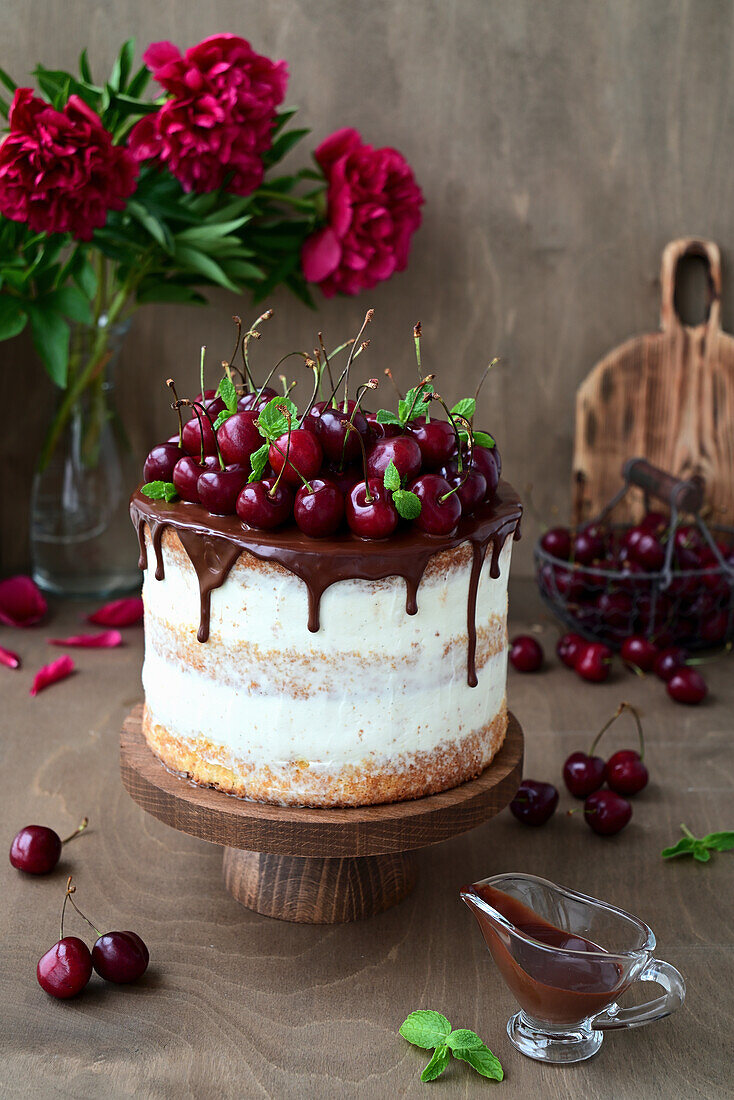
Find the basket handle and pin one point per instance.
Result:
(683, 496)
(672, 254)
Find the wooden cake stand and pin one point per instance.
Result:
(317, 866)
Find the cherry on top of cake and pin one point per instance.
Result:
(247, 450)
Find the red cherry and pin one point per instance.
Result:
(583, 774)
(526, 654)
(625, 772)
(594, 662)
(471, 488)
(440, 508)
(218, 489)
(318, 508)
(252, 401)
(402, 450)
(381, 431)
(373, 518)
(161, 460)
(338, 441)
(487, 460)
(36, 849)
(65, 968)
(213, 404)
(569, 648)
(648, 552)
(120, 957)
(654, 521)
(264, 504)
(304, 457)
(588, 545)
(687, 685)
(191, 436)
(557, 542)
(436, 440)
(639, 652)
(238, 438)
(186, 474)
(535, 802)
(668, 661)
(606, 812)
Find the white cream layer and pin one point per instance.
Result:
(404, 688)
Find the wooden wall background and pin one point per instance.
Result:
(560, 144)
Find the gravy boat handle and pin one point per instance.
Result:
(663, 974)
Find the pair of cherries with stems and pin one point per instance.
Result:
(65, 969)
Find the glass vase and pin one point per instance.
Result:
(82, 543)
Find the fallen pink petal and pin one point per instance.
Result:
(105, 639)
(124, 612)
(8, 658)
(52, 673)
(21, 602)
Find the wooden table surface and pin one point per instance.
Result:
(239, 1005)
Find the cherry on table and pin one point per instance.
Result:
(440, 507)
(669, 661)
(594, 662)
(265, 503)
(36, 849)
(687, 685)
(557, 542)
(606, 812)
(569, 648)
(639, 652)
(319, 508)
(535, 802)
(120, 957)
(526, 653)
(583, 774)
(625, 772)
(65, 968)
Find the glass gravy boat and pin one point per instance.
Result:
(567, 958)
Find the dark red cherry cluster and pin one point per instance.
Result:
(609, 581)
(65, 969)
(606, 811)
(248, 451)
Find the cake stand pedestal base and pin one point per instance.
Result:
(317, 866)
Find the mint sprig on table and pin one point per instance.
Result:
(408, 504)
(700, 847)
(426, 1028)
(160, 490)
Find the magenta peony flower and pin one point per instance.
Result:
(217, 125)
(59, 171)
(374, 209)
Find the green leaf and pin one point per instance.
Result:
(226, 390)
(466, 407)
(156, 228)
(391, 479)
(414, 404)
(407, 504)
(51, 341)
(69, 301)
(384, 416)
(271, 422)
(171, 292)
(463, 1039)
(8, 81)
(86, 278)
(258, 461)
(13, 318)
(483, 439)
(682, 848)
(139, 82)
(223, 415)
(719, 842)
(701, 852)
(84, 68)
(438, 1063)
(122, 66)
(204, 265)
(483, 1061)
(425, 1028)
(204, 233)
(283, 145)
(160, 490)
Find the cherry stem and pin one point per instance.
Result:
(332, 396)
(693, 661)
(635, 714)
(388, 372)
(367, 318)
(437, 397)
(327, 364)
(313, 365)
(467, 470)
(287, 462)
(78, 831)
(483, 379)
(72, 890)
(272, 371)
(424, 382)
(201, 371)
(371, 384)
(229, 367)
(253, 334)
(367, 494)
(177, 406)
(417, 342)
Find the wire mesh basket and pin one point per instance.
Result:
(688, 600)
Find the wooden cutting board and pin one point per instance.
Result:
(667, 396)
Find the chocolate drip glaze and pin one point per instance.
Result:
(213, 544)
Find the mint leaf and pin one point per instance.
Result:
(719, 842)
(384, 416)
(407, 503)
(463, 1039)
(701, 852)
(271, 423)
(258, 461)
(425, 1028)
(682, 848)
(391, 479)
(223, 415)
(483, 1061)
(160, 490)
(439, 1060)
(228, 394)
(466, 407)
(483, 439)
(413, 404)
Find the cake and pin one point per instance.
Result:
(333, 671)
